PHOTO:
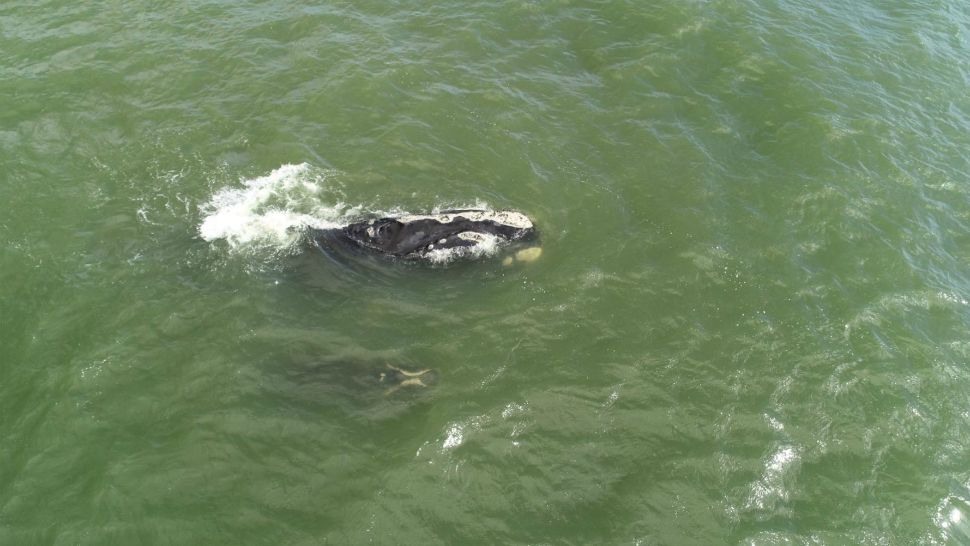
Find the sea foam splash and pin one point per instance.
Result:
(270, 212)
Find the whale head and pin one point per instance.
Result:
(439, 237)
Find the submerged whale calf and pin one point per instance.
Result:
(399, 378)
(440, 237)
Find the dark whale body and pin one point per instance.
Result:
(436, 237)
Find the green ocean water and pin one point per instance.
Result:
(750, 323)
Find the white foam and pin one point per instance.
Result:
(269, 212)
(456, 436)
(770, 489)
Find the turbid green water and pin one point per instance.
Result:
(750, 323)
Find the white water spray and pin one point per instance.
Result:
(269, 212)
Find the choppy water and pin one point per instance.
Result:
(750, 322)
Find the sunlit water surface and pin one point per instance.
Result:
(750, 323)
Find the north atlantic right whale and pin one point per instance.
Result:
(437, 237)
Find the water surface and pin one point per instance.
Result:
(749, 324)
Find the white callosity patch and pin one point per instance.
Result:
(505, 217)
(483, 244)
(270, 211)
(474, 237)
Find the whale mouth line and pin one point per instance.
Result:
(438, 238)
